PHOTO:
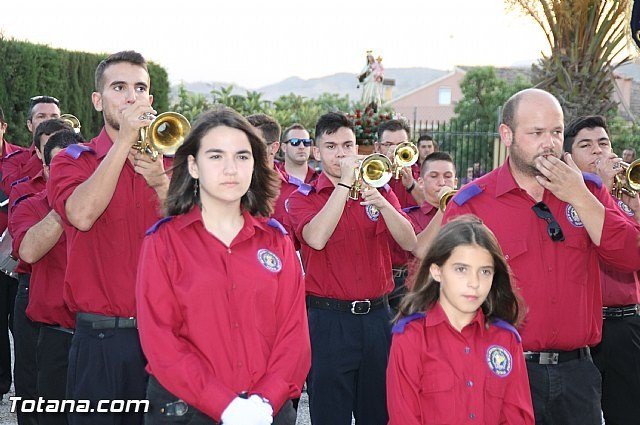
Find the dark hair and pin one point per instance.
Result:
(60, 140)
(436, 156)
(267, 125)
(295, 126)
(587, 121)
(264, 187)
(502, 302)
(509, 108)
(428, 138)
(40, 99)
(393, 125)
(128, 56)
(331, 122)
(49, 127)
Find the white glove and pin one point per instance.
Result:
(262, 403)
(241, 411)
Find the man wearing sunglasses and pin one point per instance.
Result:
(296, 148)
(552, 224)
(618, 355)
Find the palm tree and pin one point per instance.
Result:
(587, 40)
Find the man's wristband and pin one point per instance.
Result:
(410, 188)
(344, 185)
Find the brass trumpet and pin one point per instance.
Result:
(628, 182)
(445, 198)
(72, 120)
(373, 171)
(404, 155)
(165, 135)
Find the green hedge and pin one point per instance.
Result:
(28, 70)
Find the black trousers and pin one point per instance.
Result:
(349, 355)
(8, 289)
(25, 341)
(159, 398)
(566, 393)
(53, 359)
(399, 288)
(106, 364)
(618, 359)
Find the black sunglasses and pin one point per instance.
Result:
(296, 142)
(553, 228)
(44, 99)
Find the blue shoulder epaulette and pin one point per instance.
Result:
(398, 328)
(467, 193)
(276, 225)
(593, 178)
(20, 199)
(508, 326)
(411, 208)
(74, 151)
(305, 189)
(24, 179)
(9, 155)
(155, 227)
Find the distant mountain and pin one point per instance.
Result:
(406, 79)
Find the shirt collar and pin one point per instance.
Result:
(505, 181)
(436, 316)
(323, 182)
(103, 143)
(251, 223)
(426, 208)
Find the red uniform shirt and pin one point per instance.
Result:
(19, 164)
(215, 320)
(7, 149)
(420, 218)
(619, 288)
(102, 262)
(26, 187)
(438, 375)
(404, 198)
(289, 184)
(355, 264)
(560, 281)
(47, 274)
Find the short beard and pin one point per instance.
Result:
(111, 121)
(518, 162)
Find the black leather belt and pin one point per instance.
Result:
(400, 271)
(98, 321)
(555, 357)
(620, 312)
(353, 307)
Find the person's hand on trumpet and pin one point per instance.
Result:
(133, 118)
(607, 167)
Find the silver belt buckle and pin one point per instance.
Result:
(355, 303)
(548, 358)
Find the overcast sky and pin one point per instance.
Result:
(253, 43)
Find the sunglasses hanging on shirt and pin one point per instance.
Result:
(553, 227)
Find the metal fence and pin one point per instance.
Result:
(469, 144)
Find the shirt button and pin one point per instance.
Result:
(101, 335)
(467, 350)
(469, 383)
(233, 286)
(472, 416)
(506, 257)
(236, 325)
(137, 204)
(239, 364)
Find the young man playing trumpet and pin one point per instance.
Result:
(618, 354)
(345, 251)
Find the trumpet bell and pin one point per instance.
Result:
(72, 121)
(405, 154)
(375, 170)
(167, 132)
(628, 183)
(633, 175)
(445, 198)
